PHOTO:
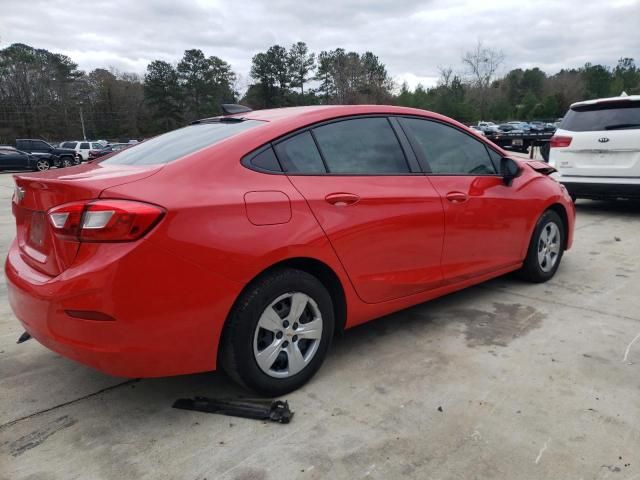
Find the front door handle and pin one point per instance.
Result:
(342, 199)
(457, 197)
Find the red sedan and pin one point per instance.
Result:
(247, 241)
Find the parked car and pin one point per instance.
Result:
(59, 157)
(113, 147)
(83, 148)
(245, 242)
(488, 127)
(12, 159)
(478, 130)
(509, 128)
(596, 149)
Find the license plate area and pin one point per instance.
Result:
(37, 230)
(517, 142)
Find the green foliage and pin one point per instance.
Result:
(42, 93)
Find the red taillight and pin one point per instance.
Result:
(559, 141)
(104, 220)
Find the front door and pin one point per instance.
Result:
(485, 220)
(381, 217)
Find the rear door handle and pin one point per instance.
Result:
(457, 197)
(342, 199)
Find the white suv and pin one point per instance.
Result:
(596, 148)
(82, 148)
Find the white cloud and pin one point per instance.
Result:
(412, 37)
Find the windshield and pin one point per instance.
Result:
(603, 116)
(173, 145)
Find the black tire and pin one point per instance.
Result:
(532, 269)
(77, 160)
(67, 161)
(237, 355)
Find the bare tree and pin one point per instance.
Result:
(482, 64)
(446, 74)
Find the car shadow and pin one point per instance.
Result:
(631, 207)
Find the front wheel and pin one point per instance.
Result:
(278, 333)
(545, 250)
(67, 161)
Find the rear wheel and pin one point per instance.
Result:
(278, 333)
(77, 160)
(545, 250)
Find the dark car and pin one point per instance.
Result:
(61, 157)
(12, 159)
(508, 127)
(109, 149)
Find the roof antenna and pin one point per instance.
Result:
(232, 109)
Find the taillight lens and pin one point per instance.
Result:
(104, 220)
(559, 141)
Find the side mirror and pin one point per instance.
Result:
(509, 170)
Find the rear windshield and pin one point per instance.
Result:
(617, 115)
(173, 145)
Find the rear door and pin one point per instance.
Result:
(485, 220)
(84, 150)
(383, 219)
(599, 140)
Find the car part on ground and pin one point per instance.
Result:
(273, 410)
(24, 337)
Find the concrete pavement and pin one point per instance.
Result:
(505, 380)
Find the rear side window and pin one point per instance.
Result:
(618, 115)
(449, 151)
(299, 154)
(265, 159)
(69, 145)
(173, 145)
(361, 146)
(84, 145)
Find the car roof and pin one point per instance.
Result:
(627, 98)
(290, 118)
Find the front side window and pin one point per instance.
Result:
(84, 146)
(361, 146)
(39, 145)
(449, 151)
(299, 154)
(176, 144)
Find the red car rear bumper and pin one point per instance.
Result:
(167, 313)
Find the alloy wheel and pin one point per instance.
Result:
(42, 165)
(287, 335)
(548, 246)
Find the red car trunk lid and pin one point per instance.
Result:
(37, 193)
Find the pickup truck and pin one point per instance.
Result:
(58, 157)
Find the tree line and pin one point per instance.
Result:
(43, 94)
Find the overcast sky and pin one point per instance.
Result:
(411, 37)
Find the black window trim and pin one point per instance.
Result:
(418, 165)
(414, 166)
(422, 157)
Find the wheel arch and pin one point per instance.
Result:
(562, 213)
(323, 272)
